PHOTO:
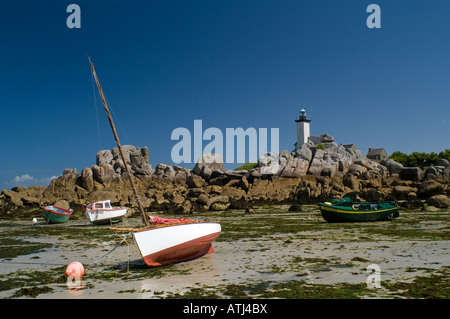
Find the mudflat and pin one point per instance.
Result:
(271, 253)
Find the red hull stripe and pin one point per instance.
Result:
(182, 252)
(66, 212)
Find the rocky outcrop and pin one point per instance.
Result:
(307, 175)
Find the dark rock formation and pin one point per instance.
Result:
(308, 175)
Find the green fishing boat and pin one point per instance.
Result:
(344, 210)
(56, 215)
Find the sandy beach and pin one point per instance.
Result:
(273, 253)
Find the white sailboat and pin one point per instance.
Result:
(164, 241)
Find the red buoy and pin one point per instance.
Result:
(75, 269)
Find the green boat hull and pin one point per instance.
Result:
(55, 215)
(358, 212)
(55, 219)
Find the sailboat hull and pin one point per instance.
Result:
(176, 243)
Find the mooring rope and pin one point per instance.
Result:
(109, 252)
(124, 240)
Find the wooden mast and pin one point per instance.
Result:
(145, 218)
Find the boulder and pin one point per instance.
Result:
(13, 197)
(195, 181)
(236, 189)
(269, 164)
(392, 166)
(219, 206)
(203, 199)
(184, 208)
(62, 204)
(127, 151)
(104, 174)
(177, 199)
(367, 163)
(326, 138)
(213, 161)
(352, 182)
(196, 192)
(165, 172)
(412, 204)
(104, 157)
(402, 192)
(217, 199)
(327, 141)
(136, 158)
(181, 176)
(250, 209)
(296, 167)
(87, 179)
(145, 154)
(295, 208)
(304, 153)
(67, 180)
(442, 162)
(438, 173)
(206, 172)
(357, 170)
(213, 189)
(430, 188)
(331, 161)
(317, 163)
(439, 201)
(412, 174)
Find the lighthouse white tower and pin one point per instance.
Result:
(302, 129)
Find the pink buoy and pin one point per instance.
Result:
(75, 269)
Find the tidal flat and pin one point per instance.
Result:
(272, 253)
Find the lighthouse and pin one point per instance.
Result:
(302, 129)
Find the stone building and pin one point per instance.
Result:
(377, 154)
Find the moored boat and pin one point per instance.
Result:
(56, 215)
(164, 241)
(175, 241)
(102, 212)
(344, 210)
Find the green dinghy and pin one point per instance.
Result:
(56, 215)
(343, 210)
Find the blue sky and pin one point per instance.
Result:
(164, 64)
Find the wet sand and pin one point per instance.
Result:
(272, 246)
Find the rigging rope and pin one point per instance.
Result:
(117, 121)
(96, 112)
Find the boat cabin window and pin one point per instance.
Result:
(99, 205)
(107, 205)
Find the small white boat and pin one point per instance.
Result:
(103, 213)
(175, 242)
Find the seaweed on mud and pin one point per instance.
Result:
(433, 286)
(31, 281)
(11, 247)
(262, 228)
